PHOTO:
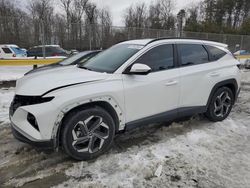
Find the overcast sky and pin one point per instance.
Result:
(118, 7)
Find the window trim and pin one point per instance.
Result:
(179, 54)
(175, 58)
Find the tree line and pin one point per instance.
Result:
(211, 16)
(77, 24)
(81, 24)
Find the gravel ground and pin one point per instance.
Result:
(189, 153)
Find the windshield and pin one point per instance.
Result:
(72, 59)
(111, 59)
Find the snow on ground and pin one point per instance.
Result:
(6, 95)
(8, 73)
(188, 153)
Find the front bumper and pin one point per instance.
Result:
(19, 135)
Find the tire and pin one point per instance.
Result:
(88, 133)
(220, 105)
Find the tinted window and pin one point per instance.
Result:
(216, 53)
(158, 58)
(193, 54)
(112, 58)
(7, 50)
(54, 49)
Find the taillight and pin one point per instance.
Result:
(55, 54)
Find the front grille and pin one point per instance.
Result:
(22, 100)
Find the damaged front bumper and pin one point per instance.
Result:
(21, 136)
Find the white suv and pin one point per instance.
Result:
(133, 83)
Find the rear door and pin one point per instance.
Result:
(199, 72)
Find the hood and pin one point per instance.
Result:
(45, 67)
(41, 82)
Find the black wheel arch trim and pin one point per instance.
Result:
(221, 84)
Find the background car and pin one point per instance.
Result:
(247, 64)
(50, 51)
(79, 58)
(244, 57)
(242, 52)
(11, 51)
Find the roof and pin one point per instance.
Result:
(138, 42)
(149, 41)
(9, 45)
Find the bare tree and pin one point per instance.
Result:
(104, 18)
(167, 17)
(154, 19)
(136, 19)
(42, 17)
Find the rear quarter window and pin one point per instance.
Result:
(215, 53)
(7, 50)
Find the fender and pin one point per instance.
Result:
(220, 84)
(108, 99)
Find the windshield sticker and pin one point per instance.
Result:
(138, 47)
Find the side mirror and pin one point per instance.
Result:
(140, 69)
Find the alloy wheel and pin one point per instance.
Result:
(222, 104)
(89, 135)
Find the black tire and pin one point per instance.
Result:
(76, 138)
(219, 111)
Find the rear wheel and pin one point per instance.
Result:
(220, 105)
(88, 133)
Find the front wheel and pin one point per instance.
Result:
(220, 105)
(88, 133)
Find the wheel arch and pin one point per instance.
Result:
(230, 83)
(107, 103)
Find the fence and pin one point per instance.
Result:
(88, 37)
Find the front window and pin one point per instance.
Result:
(158, 58)
(111, 59)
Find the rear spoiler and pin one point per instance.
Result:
(223, 45)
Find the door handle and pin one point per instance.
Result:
(172, 82)
(214, 74)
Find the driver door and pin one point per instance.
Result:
(155, 95)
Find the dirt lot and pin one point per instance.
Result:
(191, 153)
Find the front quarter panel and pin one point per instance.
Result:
(110, 90)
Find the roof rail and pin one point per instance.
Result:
(169, 38)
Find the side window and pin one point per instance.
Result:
(7, 50)
(216, 53)
(158, 58)
(192, 54)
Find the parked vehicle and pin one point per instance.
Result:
(8, 51)
(79, 58)
(247, 64)
(73, 52)
(244, 57)
(50, 51)
(242, 52)
(134, 83)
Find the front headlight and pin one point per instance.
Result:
(24, 100)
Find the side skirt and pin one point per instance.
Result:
(165, 116)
